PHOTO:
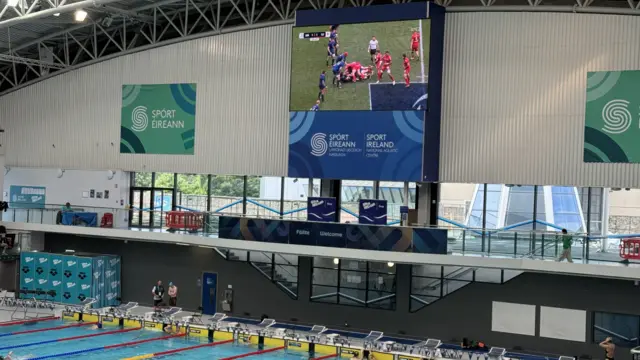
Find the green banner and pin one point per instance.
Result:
(612, 117)
(158, 119)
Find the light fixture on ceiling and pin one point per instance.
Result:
(13, 3)
(336, 261)
(56, 14)
(390, 264)
(80, 15)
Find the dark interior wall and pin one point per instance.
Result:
(465, 313)
(8, 275)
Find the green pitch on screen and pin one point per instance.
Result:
(308, 59)
(158, 119)
(612, 117)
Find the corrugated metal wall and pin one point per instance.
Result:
(73, 120)
(514, 96)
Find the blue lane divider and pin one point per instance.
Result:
(67, 353)
(28, 344)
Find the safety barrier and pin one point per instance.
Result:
(67, 339)
(179, 350)
(259, 352)
(184, 220)
(630, 249)
(28, 321)
(108, 347)
(46, 329)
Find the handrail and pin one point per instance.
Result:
(616, 335)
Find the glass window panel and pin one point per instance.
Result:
(325, 277)
(296, 193)
(412, 195)
(164, 180)
(192, 192)
(382, 282)
(381, 300)
(324, 294)
(226, 193)
(353, 297)
(455, 205)
(623, 329)
(267, 204)
(353, 279)
(352, 192)
(142, 179)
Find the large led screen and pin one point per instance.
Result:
(380, 66)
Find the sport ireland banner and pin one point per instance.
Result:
(27, 197)
(158, 119)
(612, 117)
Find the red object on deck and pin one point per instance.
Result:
(107, 220)
(630, 249)
(28, 321)
(187, 220)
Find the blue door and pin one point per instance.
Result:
(209, 290)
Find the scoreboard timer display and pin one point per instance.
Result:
(313, 35)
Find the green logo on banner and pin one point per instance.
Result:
(158, 119)
(612, 117)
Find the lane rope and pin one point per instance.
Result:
(84, 351)
(259, 352)
(174, 351)
(47, 329)
(28, 321)
(325, 357)
(67, 339)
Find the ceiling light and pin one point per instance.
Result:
(390, 264)
(336, 261)
(80, 15)
(56, 14)
(13, 3)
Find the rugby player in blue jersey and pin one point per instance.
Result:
(342, 57)
(322, 85)
(316, 106)
(337, 68)
(331, 52)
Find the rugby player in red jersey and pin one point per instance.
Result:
(415, 44)
(386, 66)
(353, 69)
(407, 70)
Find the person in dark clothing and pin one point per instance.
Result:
(158, 293)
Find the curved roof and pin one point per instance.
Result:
(39, 38)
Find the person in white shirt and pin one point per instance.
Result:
(373, 47)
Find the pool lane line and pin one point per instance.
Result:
(325, 357)
(28, 321)
(47, 329)
(68, 338)
(107, 347)
(178, 350)
(259, 352)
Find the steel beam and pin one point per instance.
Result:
(30, 16)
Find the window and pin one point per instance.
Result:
(352, 192)
(164, 180)
(265, 202)
(355, 283)
(192, 192)
(296, 193)
(623, 329)
(142, 179)
(227, 193)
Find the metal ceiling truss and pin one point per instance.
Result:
(113, 30)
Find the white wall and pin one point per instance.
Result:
(242, 125)
(513, 102)
(70, 188)
(514, 96)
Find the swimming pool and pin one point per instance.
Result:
(56, 339)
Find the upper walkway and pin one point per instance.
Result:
(505, 249)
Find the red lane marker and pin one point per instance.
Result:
(144, 341)
(191, 348)
(99, 334)
(53, 328)
(325, 357)
(253, 353)
(28, 321)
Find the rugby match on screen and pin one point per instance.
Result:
(379, 66)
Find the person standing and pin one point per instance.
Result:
(173, 294)
(567, 240)
(158, 293)
(609, 348)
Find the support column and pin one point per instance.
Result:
(427, 204)
(605, 218)
(332, 188)
(403, 288)
(305, 275)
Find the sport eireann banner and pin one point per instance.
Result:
(158, 119)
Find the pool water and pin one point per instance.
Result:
(16, 343)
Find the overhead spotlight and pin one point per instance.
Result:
(13, 3)
(336, 261)
(56, 14)
(390, 264)
(80, 15)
